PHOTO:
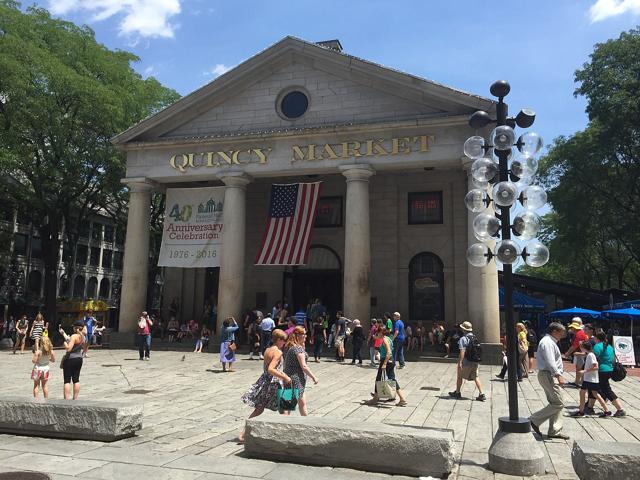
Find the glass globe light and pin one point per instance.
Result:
(485, 226)
(474, 147)
(497, 159)
(479, 185)
(530, 143)
(478, 254)
(503, 137)
(524, 182)
(537, 254)
(476, 200)
(505, 194)
(507, 252)
(533, 197)
(483, 169)
(526, 225)
(523, 166)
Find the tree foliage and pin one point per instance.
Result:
(592, 177)
(63, 96)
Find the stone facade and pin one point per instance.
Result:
(372, 135)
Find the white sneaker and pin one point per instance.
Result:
(251, 356)
(261, 357)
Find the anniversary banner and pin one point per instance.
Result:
(193, 227)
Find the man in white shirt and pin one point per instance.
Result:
(549, 362)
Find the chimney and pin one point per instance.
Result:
(332, 44)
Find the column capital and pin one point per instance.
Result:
(139, 184)
(236, 179)
(358, 172)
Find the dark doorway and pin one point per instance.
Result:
(211, 279)
(320, 278)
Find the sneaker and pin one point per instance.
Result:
(261, 357)
(605, 414)
(577, 414)
(501, 377)
(456, 395)
(561, 436)
(620, 413)
(481, 397)
(147, 358)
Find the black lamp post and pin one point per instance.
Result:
(508, 175)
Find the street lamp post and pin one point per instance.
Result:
(508, 175)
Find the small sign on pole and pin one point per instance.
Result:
(623, 347)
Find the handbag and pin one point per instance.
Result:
(619, 372)
(287, 398)
(65, 357)
(385, 388)
(232, 346)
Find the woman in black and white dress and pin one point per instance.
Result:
(37, 328)
(295, 365)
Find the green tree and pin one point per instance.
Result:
(63, 96)
(592, 176)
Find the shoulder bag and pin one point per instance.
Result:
(619, 372)
(385, 388)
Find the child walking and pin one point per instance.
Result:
(590, 381)
(40, 372)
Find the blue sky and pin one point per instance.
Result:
(466, 44)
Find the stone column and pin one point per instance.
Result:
(483, 300)
(357, 245)
(232, 261)
(133, 295)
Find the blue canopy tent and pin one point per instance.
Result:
(575, 312)
(624, 313)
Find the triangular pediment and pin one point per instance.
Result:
(342, 90)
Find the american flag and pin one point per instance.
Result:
(292, 212)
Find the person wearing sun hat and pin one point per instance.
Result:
(468, 362)
(579, 336)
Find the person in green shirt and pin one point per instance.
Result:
(605, 356)
(388, 322)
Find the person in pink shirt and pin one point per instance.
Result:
(144, 336)
(578, 337)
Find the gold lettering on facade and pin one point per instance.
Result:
(379, 147)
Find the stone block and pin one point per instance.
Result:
(399, 450)
(596, 459)
(78, 420)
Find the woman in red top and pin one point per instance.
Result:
(144, 336)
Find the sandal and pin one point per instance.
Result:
(401, 403)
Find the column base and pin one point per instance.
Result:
(516, 454)
(492, 354)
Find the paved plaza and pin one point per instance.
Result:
(193, 414)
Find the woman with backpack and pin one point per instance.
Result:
(605, 355)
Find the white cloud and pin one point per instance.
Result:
(603, 9)
(218, 70)
(150, 70)
(145, 18)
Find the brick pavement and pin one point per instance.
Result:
(193, 414)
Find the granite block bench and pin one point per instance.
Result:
(395, 449)
(596, 460)
(77, 420)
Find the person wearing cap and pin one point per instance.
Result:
(467, 366)
(72, 361)
(578, 337)
(398, 339)
(357, 337)
(549, 362)
(144, 336)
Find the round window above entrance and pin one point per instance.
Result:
(293, 103)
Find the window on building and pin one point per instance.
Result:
(425, 208)
(329, 212)
(6, 212)
(108, 233)
(104, 288)
(120, 234)
(92, 288)
(64, 286)
(81, 254)
(117, 260)
(35, 282)
(66, 252)
(78, 287)
(94, 260)
(96, 232)
(36, 247)
(426, 287)
(107, 256)
(20, 244)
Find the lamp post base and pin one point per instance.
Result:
(515, 451)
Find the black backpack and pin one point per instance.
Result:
(532, 338)
(473, 352)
